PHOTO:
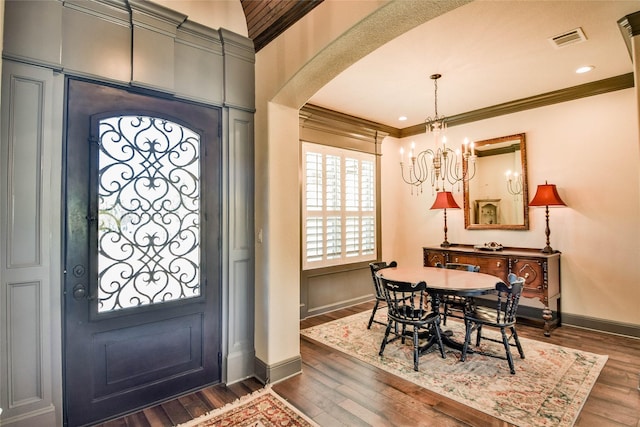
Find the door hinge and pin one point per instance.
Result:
(219, 359)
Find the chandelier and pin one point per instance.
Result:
(440, 165)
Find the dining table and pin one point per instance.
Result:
(443, 281)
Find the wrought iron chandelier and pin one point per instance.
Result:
(442, 164)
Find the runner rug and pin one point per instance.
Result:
(549, 388)
(263, 408)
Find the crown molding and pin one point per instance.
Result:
(624, 81)
(612, 84)
(629, 26)
(324, 119)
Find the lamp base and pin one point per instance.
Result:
(445, 244)
(548, 250)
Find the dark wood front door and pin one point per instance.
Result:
(142, 261)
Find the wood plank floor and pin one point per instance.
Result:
(337, 390)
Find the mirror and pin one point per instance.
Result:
(497, 197)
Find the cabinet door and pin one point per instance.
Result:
(533, 272)
(431, 258)
(494, 265)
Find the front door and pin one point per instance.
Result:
(142, 263)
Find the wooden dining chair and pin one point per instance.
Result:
(408, 307)
(377, 288)
(453, 305)
(502, 317)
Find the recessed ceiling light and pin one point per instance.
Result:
(585, 69)
(402, 118)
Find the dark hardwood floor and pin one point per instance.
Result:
(337, 390)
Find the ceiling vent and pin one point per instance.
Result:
(570, 37)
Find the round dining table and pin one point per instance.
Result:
(443, 281)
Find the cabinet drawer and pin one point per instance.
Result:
(496, 266)
(431, 258)
(533, 272)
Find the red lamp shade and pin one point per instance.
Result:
(547, 195)
(445, 200)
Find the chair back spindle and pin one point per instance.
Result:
(502, 318)
(377, 288)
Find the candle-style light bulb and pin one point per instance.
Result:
(401, 154)
(473, 148)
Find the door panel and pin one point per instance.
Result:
(121, 356)
(142, 225)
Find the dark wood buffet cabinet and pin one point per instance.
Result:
(541, 271)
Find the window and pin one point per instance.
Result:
(339, 206)
(148, 212)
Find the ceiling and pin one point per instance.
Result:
(488, 53)
(266, 19)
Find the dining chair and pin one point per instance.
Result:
(407, 306)
(502, 317)
(377, 287)
(453, 304)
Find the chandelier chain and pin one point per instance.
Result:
(441, 164)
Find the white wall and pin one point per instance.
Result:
(589, 149)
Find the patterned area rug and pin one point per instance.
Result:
(263, 408)
(549, 388)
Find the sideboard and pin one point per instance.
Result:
(541, 271)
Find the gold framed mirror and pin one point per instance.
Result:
(497, 196)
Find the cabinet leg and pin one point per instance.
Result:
(547, 314)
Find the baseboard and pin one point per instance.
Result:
(240, 365)
(41, 417)
(601, 325)
(315, 311)
(269, 374)
(533, 315)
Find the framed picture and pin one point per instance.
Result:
(487, 211)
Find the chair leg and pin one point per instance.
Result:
(478, 335)
(373, 313)
(518, 345)
(416, 348)
(386, 337)
(505, 342)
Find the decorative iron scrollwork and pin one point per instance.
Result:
(148, 212)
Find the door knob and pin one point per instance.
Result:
(79, 291)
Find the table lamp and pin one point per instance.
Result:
(444, 200)
(547, 195)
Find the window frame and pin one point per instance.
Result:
(371, 210)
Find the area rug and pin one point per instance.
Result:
(263, 408)
(549, 388)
